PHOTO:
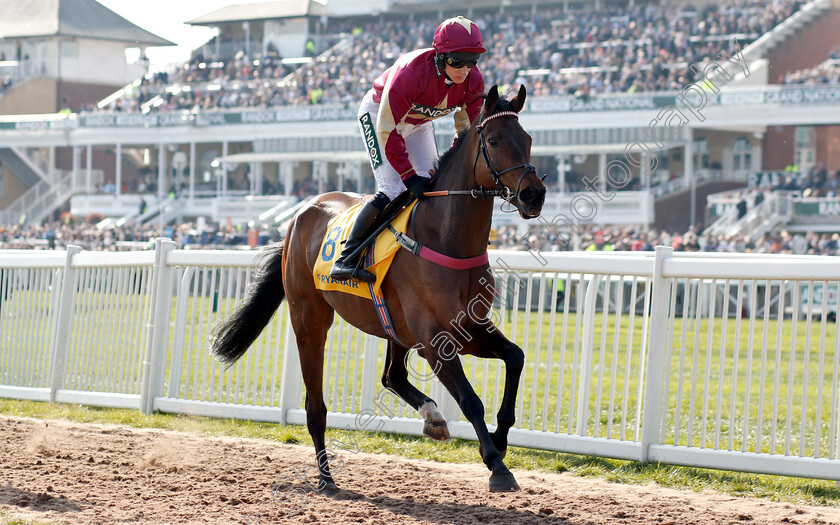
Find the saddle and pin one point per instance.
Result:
(381, 248)
(391, 211)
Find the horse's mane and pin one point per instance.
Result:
(448, 155)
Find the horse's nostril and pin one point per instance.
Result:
(530, 195)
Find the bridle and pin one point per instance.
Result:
(501, 190)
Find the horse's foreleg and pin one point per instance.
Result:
(395, 378)
(494, 344)
(451, 374)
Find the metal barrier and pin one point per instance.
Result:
(723, 361)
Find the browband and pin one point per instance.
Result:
(499, 114)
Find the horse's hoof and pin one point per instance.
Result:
(329, 489)
(436, 430)
(503, 483)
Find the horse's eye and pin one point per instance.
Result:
(492, 141)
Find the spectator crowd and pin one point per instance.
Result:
(597, 238)
(827, 72)
(628, 49)
(58, 235)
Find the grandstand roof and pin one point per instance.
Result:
(70, 18)
(261, 11)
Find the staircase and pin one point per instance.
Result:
(39, 201)
(19, 162)
(771, 214)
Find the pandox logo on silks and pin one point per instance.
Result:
(421, 112)
(384, 249)
(370, 141)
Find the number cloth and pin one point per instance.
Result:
(384, 250)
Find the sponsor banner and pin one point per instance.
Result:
(717, 210)
(787, 95)
(133, 120)
(40, 125)
(821, 208)
(599, 103)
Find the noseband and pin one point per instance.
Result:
(503, 191)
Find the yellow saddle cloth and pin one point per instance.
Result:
(384, 248)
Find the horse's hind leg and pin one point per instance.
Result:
(395, 378)
(311, 321)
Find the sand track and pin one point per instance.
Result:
(95, 474)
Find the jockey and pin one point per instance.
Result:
(396, 116)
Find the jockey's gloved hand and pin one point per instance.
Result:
(418, 185)
(462, 121)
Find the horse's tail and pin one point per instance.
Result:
(234, 335)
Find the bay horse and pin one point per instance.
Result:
(492, 158)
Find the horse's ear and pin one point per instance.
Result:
(518, 101)
(491, 100)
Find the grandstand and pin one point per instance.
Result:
(718, 99)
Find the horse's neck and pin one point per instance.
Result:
(460, 224)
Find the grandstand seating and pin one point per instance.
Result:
(826, 73)
(554, 52)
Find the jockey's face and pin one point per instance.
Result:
(457, 75)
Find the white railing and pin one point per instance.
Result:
(721, 361)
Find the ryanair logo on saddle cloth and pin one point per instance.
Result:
(370, 140)
(384, 248)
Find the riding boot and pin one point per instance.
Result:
(346, 267)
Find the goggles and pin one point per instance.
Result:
(459, 60)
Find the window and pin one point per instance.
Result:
(804, 137)
(68, 49)
(205, 170)
(701, 154)
(741, 154)
(805, 151)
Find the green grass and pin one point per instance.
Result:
(776, 488)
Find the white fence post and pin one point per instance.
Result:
(587, 344)
(444, 400)
(655, 371)
(159, 315)
(61, 340)
(180, 324)
(370, 367)
(291, 381)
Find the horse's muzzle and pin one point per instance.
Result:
(530, 201)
